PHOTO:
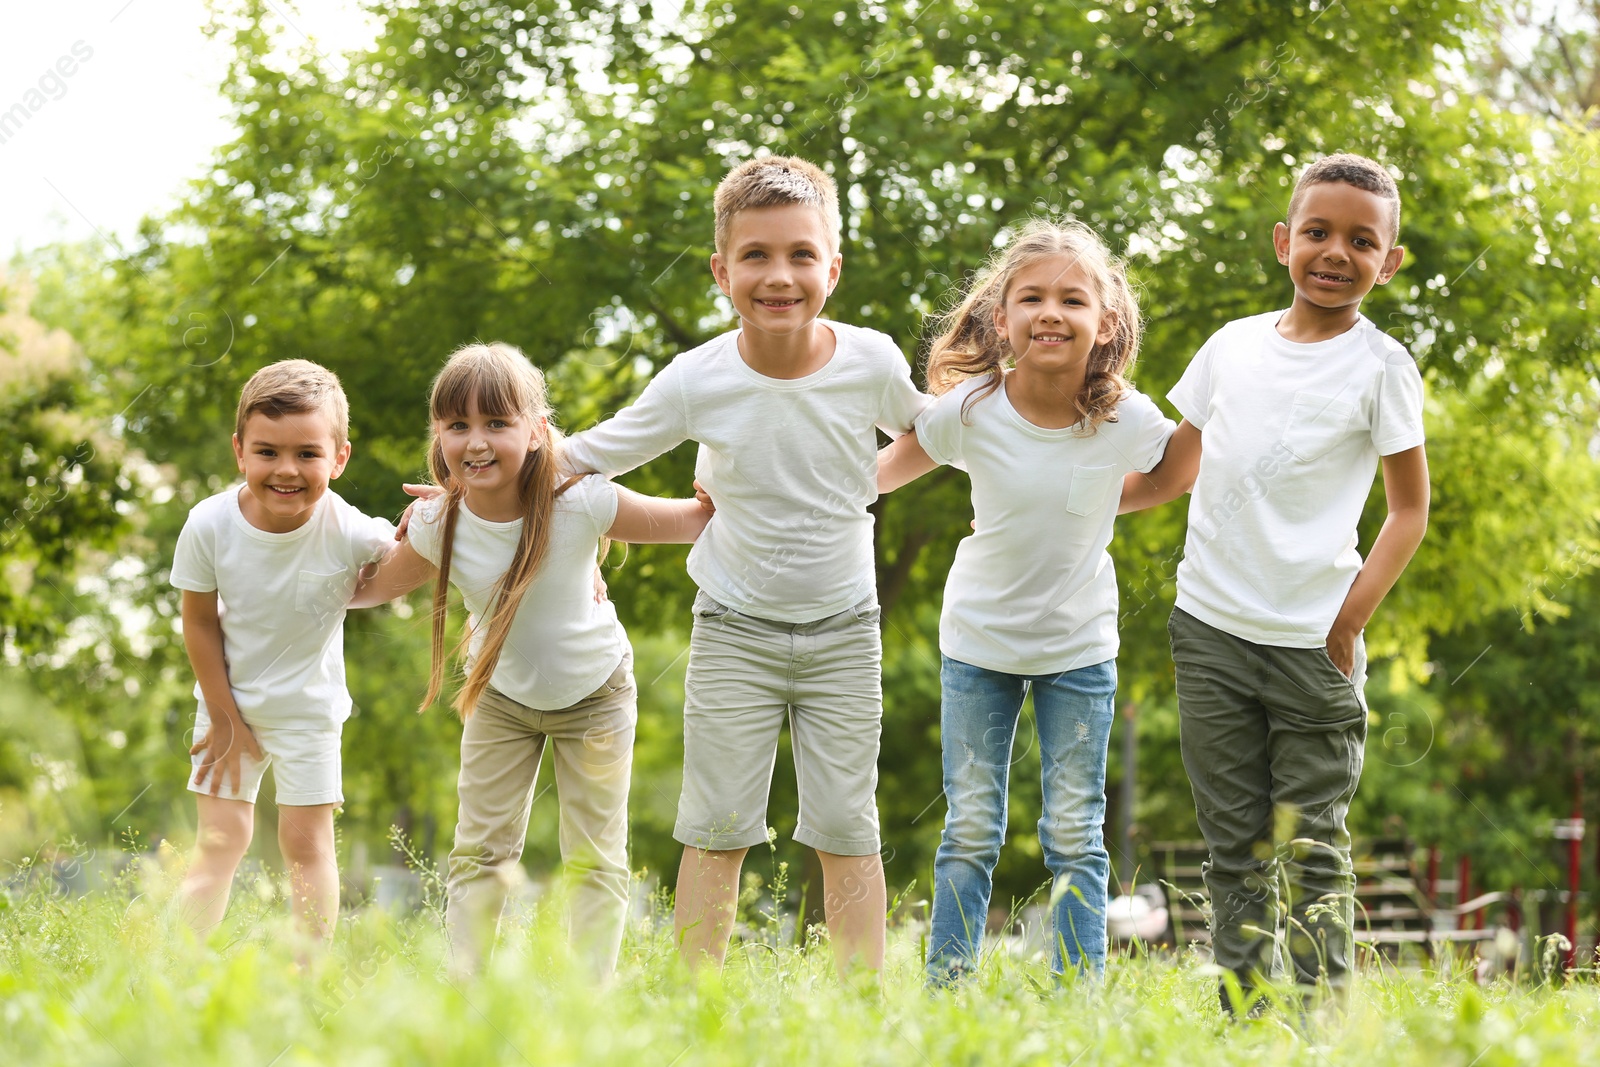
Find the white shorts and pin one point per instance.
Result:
(305, 765)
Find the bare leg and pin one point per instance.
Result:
(305, 834)
(855, 900)
(708, 895)
(221, 841)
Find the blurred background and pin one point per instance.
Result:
(195, 190)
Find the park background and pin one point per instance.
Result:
(541, 173)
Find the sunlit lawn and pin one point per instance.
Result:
(104, 979)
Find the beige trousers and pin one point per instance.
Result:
(501, 746)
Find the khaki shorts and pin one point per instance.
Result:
(745, 676)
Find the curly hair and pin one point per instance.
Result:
(1359, 171)
(969, 346)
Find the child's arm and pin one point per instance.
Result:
(401, 570)
(1405, 486)
(229, 735)
(650, 520)
(902, 460)
(640, 432)
(1170, 478)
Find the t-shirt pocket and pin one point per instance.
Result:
(1316, 423)
(323, 594)
(1090, 488)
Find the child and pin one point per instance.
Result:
(266, 570)
(786, 621)
(1296, 407)
(547, 661)
(1033, 405)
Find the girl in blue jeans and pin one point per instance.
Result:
(1032, 404)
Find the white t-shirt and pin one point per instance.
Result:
(282, 600)
(1033, 591)
(1292, 436)
(562, 645)
(791, 465)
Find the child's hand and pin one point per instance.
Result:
(219, 752)
(421, 492)
(599, 585)
(704, 497)
(1342, 650)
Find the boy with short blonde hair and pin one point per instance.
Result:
(774, 181)
(294, 387)
(266, 569)
(786, 410)
(1297, 408)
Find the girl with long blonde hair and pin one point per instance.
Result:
(547, 661)
(1032, 401)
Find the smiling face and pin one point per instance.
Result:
(485, 453)
(778, 267)
(1337, 245)
(1052, 315)
(287, 463)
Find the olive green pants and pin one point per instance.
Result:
(1273, 740)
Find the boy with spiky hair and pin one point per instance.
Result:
(1296, 408)
(266, 570)
(786, 410)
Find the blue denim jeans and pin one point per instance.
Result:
(978, 722)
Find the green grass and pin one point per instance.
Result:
(105, 979)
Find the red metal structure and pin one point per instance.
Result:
(1574, 836)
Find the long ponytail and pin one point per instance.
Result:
(504, 384)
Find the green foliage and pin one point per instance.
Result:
(42, 793)
(396, 758)
(63, 492)
(542, 172)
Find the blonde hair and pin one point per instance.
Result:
(969, 345)
(773, 181)
(295, 387)
(506, 385)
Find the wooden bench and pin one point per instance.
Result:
(1177, 871)
(1391, 908)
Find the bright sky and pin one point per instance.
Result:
(118, 137)
(139, 115)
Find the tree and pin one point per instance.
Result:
(1546, 58)
(62, 487)
(541, 172)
